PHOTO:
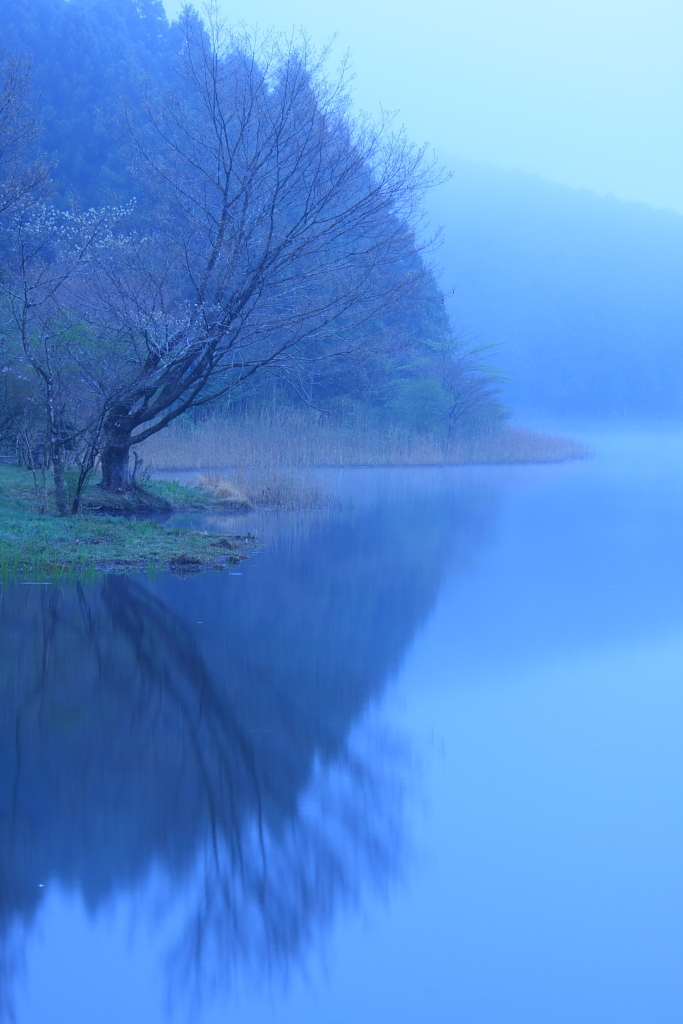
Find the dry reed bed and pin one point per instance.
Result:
(253, 487)
(296, 440)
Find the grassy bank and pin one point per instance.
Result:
(290, 437)
(42, 545)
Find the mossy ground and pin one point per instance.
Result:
(161, 496)
(38, 545)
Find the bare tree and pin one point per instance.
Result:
(281, 230)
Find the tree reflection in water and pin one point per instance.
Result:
(208, 727)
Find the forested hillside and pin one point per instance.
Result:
(581, 296)
(578, 296)
(88, 55)
(89, 59)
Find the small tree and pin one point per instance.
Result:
(50, 397)
(282, 229)
(24, 184)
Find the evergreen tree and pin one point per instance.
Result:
(88, 56)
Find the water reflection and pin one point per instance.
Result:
(203, 729)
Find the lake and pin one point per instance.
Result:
(420, 758)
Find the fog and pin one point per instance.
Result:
(588, 93)
(560, 125)
(575, 298)
(410, 441)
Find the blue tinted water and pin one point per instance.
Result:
(421, 761)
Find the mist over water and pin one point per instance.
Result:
(421, 760)
(418, 757)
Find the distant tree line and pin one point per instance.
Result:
(202, 215)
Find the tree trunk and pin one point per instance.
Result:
(61, 497)
(116, 466)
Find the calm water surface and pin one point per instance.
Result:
(419, 759)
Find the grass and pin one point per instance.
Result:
(291, 437)
(265, 487)
(44, 545)
(256, 449)
(160, 496)
(212, 492)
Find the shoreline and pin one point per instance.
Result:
(45, 545)
(122, 532)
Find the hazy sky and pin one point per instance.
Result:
(587, 92)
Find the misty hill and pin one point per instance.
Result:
(582, 295)
(87, 55)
